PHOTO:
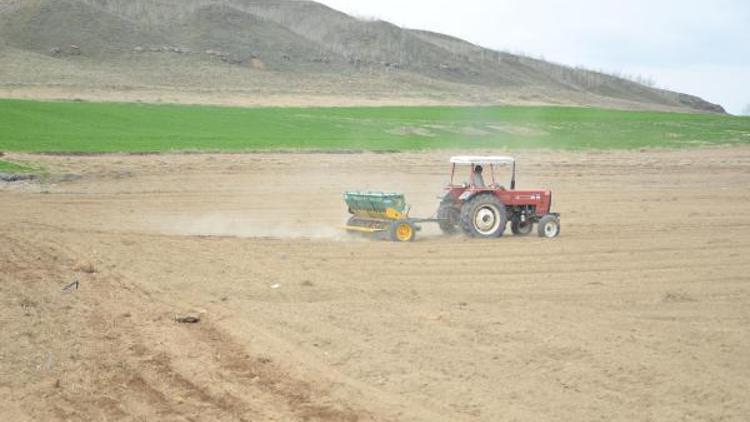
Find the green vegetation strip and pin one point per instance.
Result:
(80, 127)
(8, 167)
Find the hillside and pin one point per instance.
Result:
(271, 51)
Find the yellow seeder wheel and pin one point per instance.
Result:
(403, 231)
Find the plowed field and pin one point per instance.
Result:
(640, 310)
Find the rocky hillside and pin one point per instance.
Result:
(278, 47)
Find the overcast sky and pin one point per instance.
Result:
(700, 47)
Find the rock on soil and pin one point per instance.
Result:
(14, 177)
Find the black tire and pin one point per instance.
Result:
(484, 216)
(549, 226)
(521, 228)
(402, 231)
(449, 215)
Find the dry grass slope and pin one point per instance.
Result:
(133, 44)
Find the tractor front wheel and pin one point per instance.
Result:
(521, 228)
(549, 226)
(484, 216)
(402, 231)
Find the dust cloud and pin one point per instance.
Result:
(233, 226)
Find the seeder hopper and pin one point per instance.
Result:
(383, 215)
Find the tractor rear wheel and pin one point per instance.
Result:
(402, 231)
(484, 216)
(521, 228)
(449, 215)
(549, 226)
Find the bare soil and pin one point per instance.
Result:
(638, 311)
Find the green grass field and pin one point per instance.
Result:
(36, 126)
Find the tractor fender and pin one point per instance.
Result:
(468, 194)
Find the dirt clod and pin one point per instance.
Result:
(677, 297)
(193, 318)
(85, 267)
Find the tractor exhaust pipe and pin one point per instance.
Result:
(513, 179)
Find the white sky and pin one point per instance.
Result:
(700, 47)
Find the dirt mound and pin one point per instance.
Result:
(306, 48)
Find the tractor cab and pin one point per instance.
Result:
(482, 171)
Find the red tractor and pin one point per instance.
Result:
(483, 208)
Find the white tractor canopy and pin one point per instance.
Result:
(482, 160)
